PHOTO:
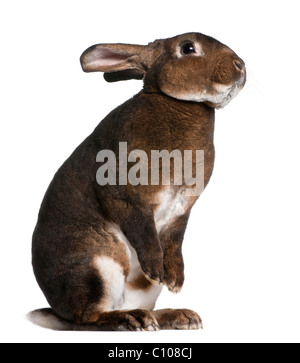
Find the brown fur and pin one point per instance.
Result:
(139, 283)
(76, 214)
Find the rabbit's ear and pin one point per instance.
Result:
(118, 61)
(124, 75)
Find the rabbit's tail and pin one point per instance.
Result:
(47, 318)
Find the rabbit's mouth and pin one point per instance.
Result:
(225, 94)
(228, 78)
(214, 91)
(231, 93)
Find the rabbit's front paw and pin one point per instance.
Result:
(173, 277)
(174, 273)
(153, 269)
(174, 285)
(155, 275)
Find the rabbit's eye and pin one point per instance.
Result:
(188, 48)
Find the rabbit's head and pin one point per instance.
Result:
(189, 67)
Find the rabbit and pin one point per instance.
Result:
(101, 254)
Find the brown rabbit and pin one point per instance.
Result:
(103, 248)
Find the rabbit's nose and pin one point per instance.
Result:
(239, 65)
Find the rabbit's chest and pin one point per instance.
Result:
(170, 206)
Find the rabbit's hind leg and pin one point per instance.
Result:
(127, 297)
(113, 311)
(182, 319)
(127, 320)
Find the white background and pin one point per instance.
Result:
(242, 244)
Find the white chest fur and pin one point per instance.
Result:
(171, 205)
